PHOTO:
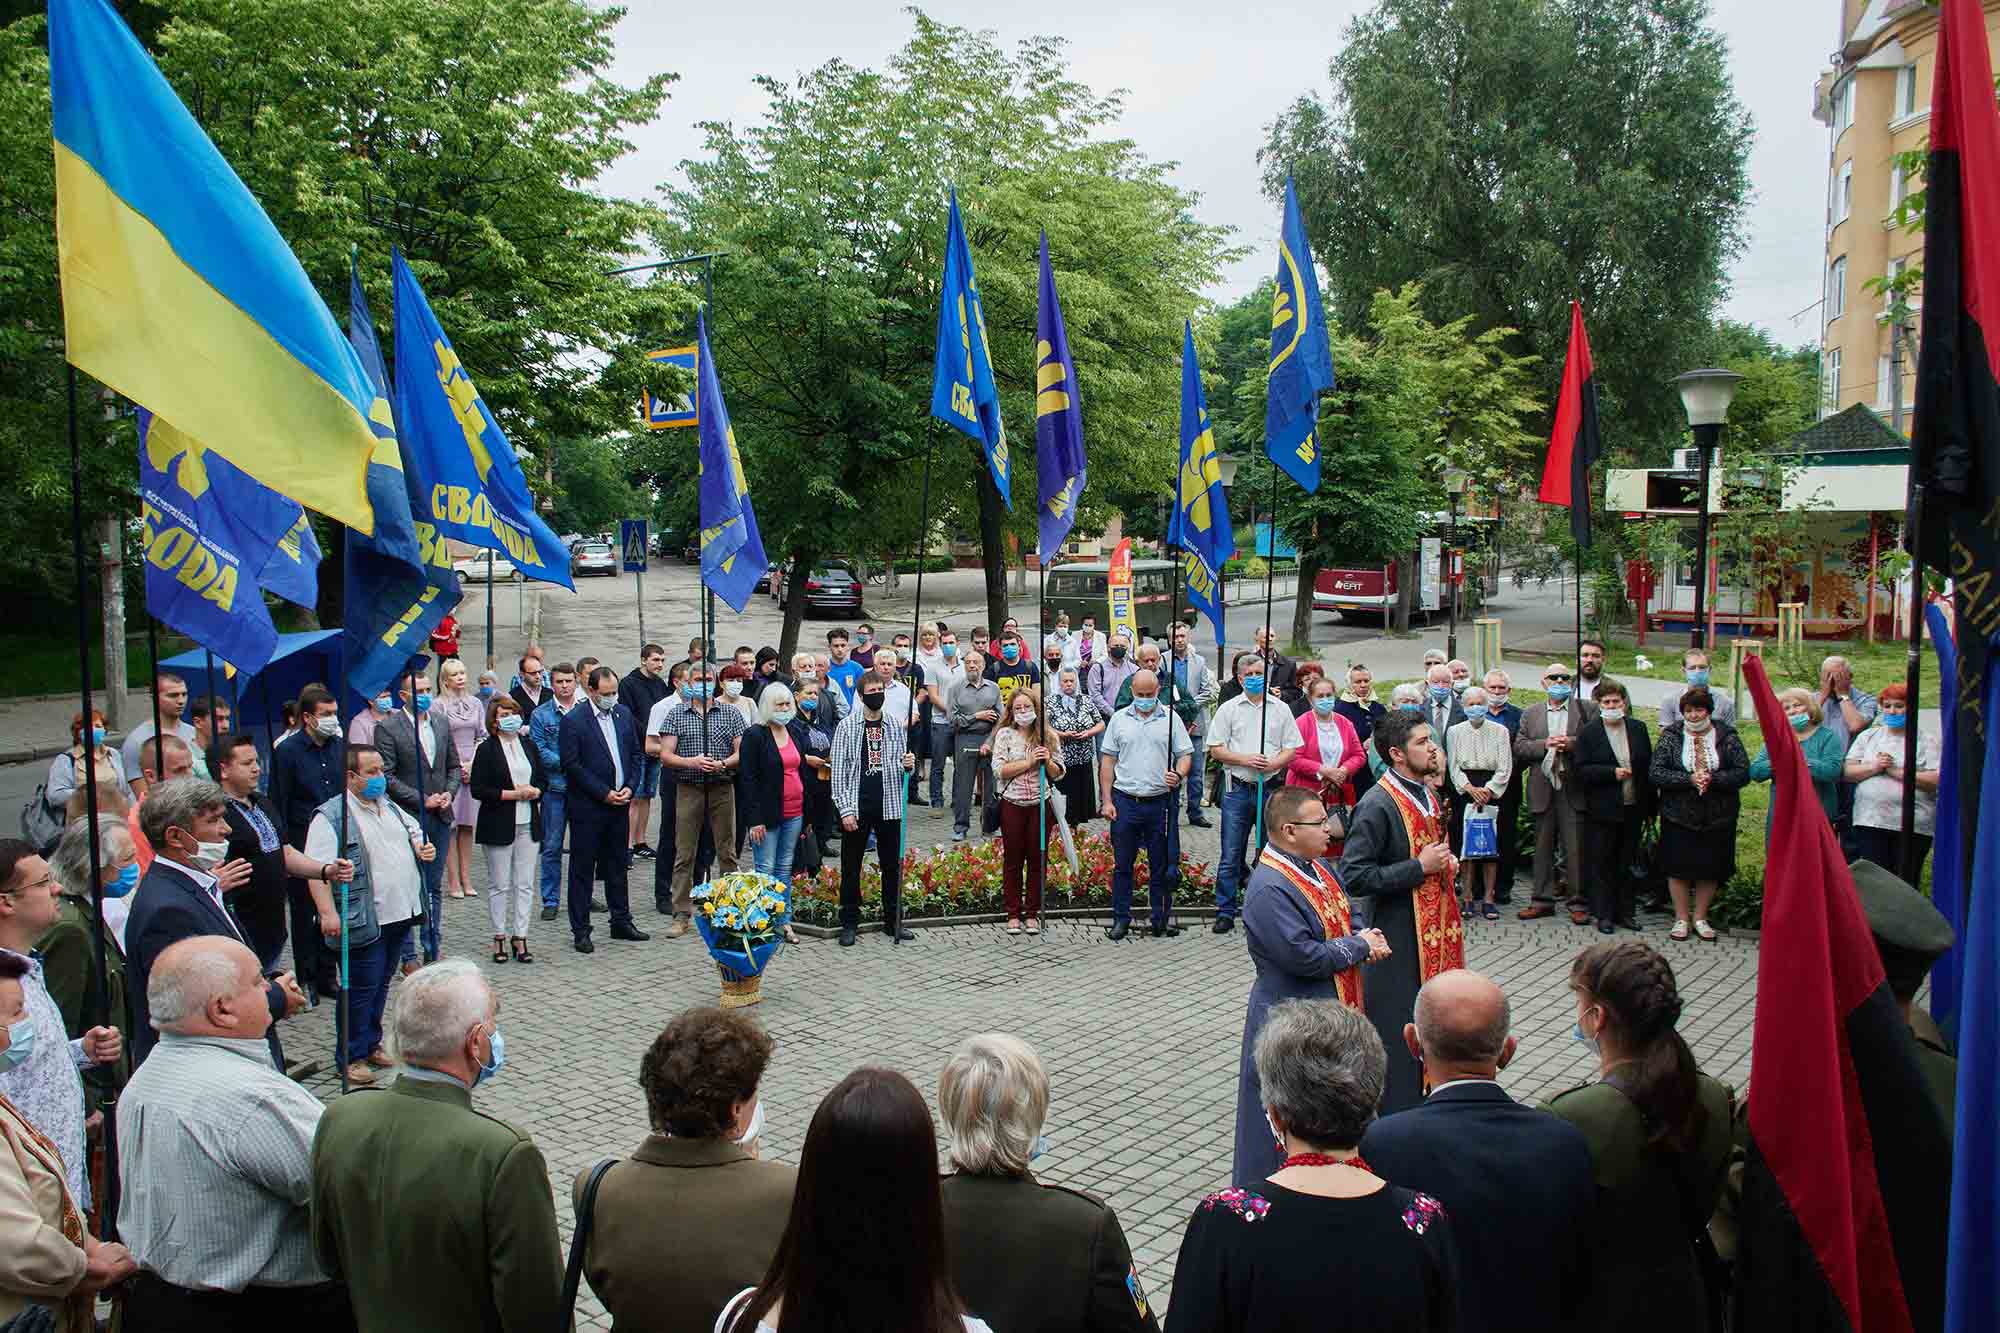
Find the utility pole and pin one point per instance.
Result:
(111, 588)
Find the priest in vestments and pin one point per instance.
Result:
(1398, 858)
(1303, 942)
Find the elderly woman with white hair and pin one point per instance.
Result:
(1028, 1257)
(773, 784)
(69, 947)
(1323, 1239)
(1409, 696)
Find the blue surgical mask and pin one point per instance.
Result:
(1145, 703)
(486, 691)
(1577, 1033)
(20, 1045)
(1041, 1146)
(511, 723)
(950, 651)
(1253, 684)
(1800, 721)
(810, 703)
(1324, 707)
(494, 1061)
(373, 788)
(128, 880)
(1409, 708)
(423, 702)
(97, 735)
(1440, 693)
(604, 703)
(1895, 721)
(1558, 693)
(383, 703)
(1010, 652)
(783, 716)
(1697, 676)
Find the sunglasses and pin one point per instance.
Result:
(1556, 679)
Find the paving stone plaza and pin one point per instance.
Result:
(1140, 1037)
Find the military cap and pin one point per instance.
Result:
(1909, 932)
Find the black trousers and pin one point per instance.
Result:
(597, 834)
(889, 850)
(1510, 837)
(1610, 849)
(156, 1306)
(1884, 846)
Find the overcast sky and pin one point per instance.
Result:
(1204, 80)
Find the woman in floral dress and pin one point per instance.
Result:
(466, 716)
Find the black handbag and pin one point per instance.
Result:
(579, 1239)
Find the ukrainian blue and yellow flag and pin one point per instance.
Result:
(177, 290)
(962, 389)
(466, 476)
(1301, 355)
(732, 550)
(1059, 462)
(1200, 529)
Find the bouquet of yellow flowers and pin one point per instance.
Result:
(741, 917)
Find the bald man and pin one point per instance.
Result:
(1517, 1185)
(216, 1160)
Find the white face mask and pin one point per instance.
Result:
(209, 855)
(1024, 716)
(732, 688)
(327, 726)
(756, 1124)
(1612, 714)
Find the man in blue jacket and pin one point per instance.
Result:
(601, 765)
(545, 730)
(1516, 1181)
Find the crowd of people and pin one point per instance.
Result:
(1359, 837)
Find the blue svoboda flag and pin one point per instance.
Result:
(210, 529)
(467, 479)
(1200, 529)
(399, 581)
(732, 552)
(962, 389)
(1059, 462)
(1301, 355)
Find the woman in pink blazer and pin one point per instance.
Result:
(1329, 751)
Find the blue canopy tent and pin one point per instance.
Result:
(300, 660)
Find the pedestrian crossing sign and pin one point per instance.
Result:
(632, 537)
(666, 413)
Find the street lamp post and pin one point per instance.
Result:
(1705, 396)
(1455, 479)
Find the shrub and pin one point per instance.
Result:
(965, 880)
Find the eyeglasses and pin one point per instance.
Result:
(44, 882)
(1556, 679)
(1324, 823)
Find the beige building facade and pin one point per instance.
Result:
(1875, 101)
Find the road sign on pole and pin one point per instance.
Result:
(632, 540)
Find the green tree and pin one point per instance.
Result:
(471, 133)
(1514, 154)
(831, 213)
(1411, 397)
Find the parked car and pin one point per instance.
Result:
(474, 569)
(829, 590)
(769, 579)
(569, 540)
(594, 558)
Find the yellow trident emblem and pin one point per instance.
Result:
(164, 445)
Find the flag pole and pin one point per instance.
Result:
(923, 535)
(1264, 710)
(1176, 795)
(1912, 852)
(1042, 721)
(153, 655)
(208, 665)
(101, 988)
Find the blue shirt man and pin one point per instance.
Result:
(545, 731)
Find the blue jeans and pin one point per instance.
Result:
(773, 856)
(1239, 818)
(438, 829)
(1193, 785)
(649, 781)
(1144, 823)
(368, 972)
(554, 819)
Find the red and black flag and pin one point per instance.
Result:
(1847, 1177)
(1575, 443)
(1955, 446)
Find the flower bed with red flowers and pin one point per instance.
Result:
(965, 880)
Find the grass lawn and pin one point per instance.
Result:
(44, 662)
(1875, 665)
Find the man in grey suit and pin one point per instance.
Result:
(425, 791)
(1542, 749)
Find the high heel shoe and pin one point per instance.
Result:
(521, 954)
(499, 948)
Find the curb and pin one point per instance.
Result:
(985, 919)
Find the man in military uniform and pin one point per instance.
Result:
(1910, 934)
(437, 1216)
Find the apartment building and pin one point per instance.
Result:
(1875, 100)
